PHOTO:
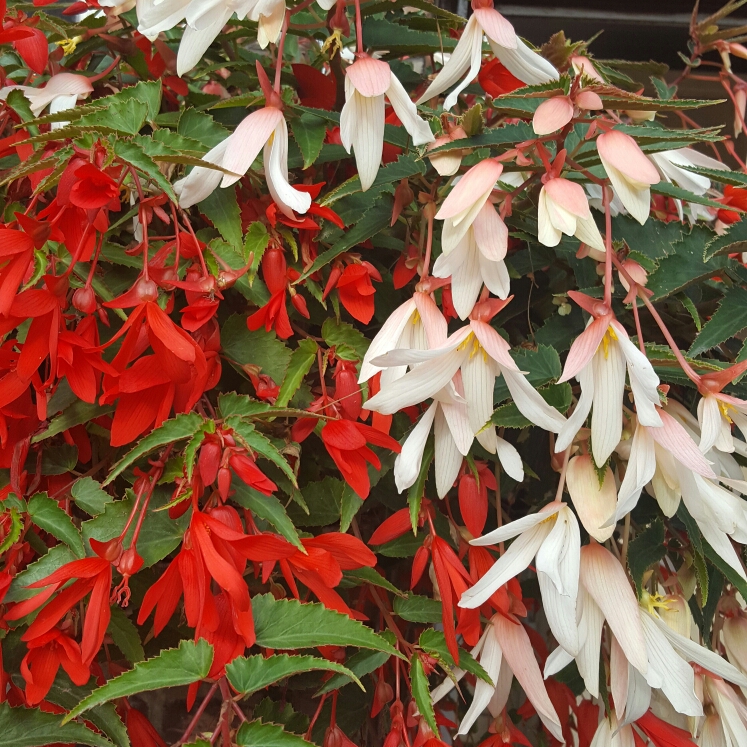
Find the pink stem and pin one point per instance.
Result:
(281, 45)
(608, 248)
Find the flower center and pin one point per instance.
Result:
(609, 335)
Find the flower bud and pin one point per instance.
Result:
(146, 290)
(84, 299)
(110, 550)
(224, 482)
(130, 562)
(299, 304)
(274, 269)
(209, 461)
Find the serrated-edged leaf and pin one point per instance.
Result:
(494, 137)
(342, 335)
(418, 609)
(672, 190)
(266, 507)
(222, 209)
(147, 92)
(90, 496)
(371, 576)
(361, 663)
(645, 550)
(260, 348)
(309, 132)
(181, 427)
(120, 115)
(323, 499)
(288, 624)
(47, 515)
(13, 532)
(731, 241)
(247, 674)
(258, 734)
(78, 413)
(202, 127)
(729, 319)
(301, 361)
(171, 668)
(258, 442)
(405, 166)
(374, 220)
(125, 635)
(30, 727)
(231, 403)
(421, 692)
(135, 156)
(691, 309)
(350, 504)
(734, 578)
(433, 642)
(58, 556)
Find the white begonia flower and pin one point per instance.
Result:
(367, 82)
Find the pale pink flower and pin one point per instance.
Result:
(740, 104)
(630, 172)
(265, 128)
(60, 92)
(555, 113)
(734, 637)
(594, 502)
(474, 240)
(367, 82)
(598, 359)
(552, 535)
(505, 652)
(514, 54)
(585, 67)
(609, 733)
(448, 162)
(564, 209)
(269, 15)
(717, 411)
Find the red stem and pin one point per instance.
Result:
(359, 26)
(279, 57)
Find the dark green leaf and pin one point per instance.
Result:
(421, 692)
(259, 348)
(78, 413)
(417, 489)
(418, 609)
(252, 673)
(301, 361)
(645, 550)
(254, 440)
(288, 624)
(266, 507)
(47, 515)
(171, 668)
(309, 132)
(370, 576)
(30, 727)
(201, 127)
(48, 563)
(125, 635)
(509, 416)
(181, 427)
(433, 642)
(89, 495)
(230, 403)
(729, 319)
(323, 499)
(361, 663)
(257, 734)
(349, 343)
(222, 209)
(132, 154)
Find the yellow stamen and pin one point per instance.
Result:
(724, 407)
(654, 601)
(609, 335)
(333, 43)
(69, 45)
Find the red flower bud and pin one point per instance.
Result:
(84, 299)
(274, 270)
(347, 390)
(224, 482)
(130, 562)
(110, 550)
(209, 461)
(299, 304)
(146, 290)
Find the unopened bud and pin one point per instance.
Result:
(84, 299)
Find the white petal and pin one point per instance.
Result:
(194, 43)
(547, 233)
(466, 278)
(509, 459)
(457, 418)
(286, 197)
(518, 556)
(491, 658)
(524, 64)
(531, 404)
(419, 130)
(407, 464)
(643, 380)
(575, 422)
(637, 200)
(386, 339)
(364, 128)
(479, 382)
(609, 387)
(588, 232)
(201, 182)
(590, 635)
(640, 471)
(711, 423)
(495, 276)
(447, 456)
(491, 233)
(515, 528)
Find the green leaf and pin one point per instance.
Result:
(132, 154)
(350, 504)
(509, 416)
(433, 642)
(147, 92)
(14, 531)
(678, 193)
(729, 319)
(230, 403)
(252, 673)
(266, 507)
(255, 243)
(374, 220)
(309, 132)
(30, 727)
(418, 609)
(361, 663)
(645, 550)
(47, 515)
(288, 624)
(222, 209)
(159, 534)
(171, 668)
(125, 635)
(201, 127)
(403, 168)
(421, 692)
(301, 361)
(58, 556)
(89, 496)
(181, 427)
(323, 499)
(542, 366)
(691, 309)
(120, 115)
(731, 241)
(349, 343)
(371, 576)
(260, 348)
(78, 413)
(734, 578)
(257, 734)
(254, 440)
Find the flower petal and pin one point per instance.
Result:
(552, 115)
(405, 109)
(247, 141)
(594, 504)
(407, 464)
